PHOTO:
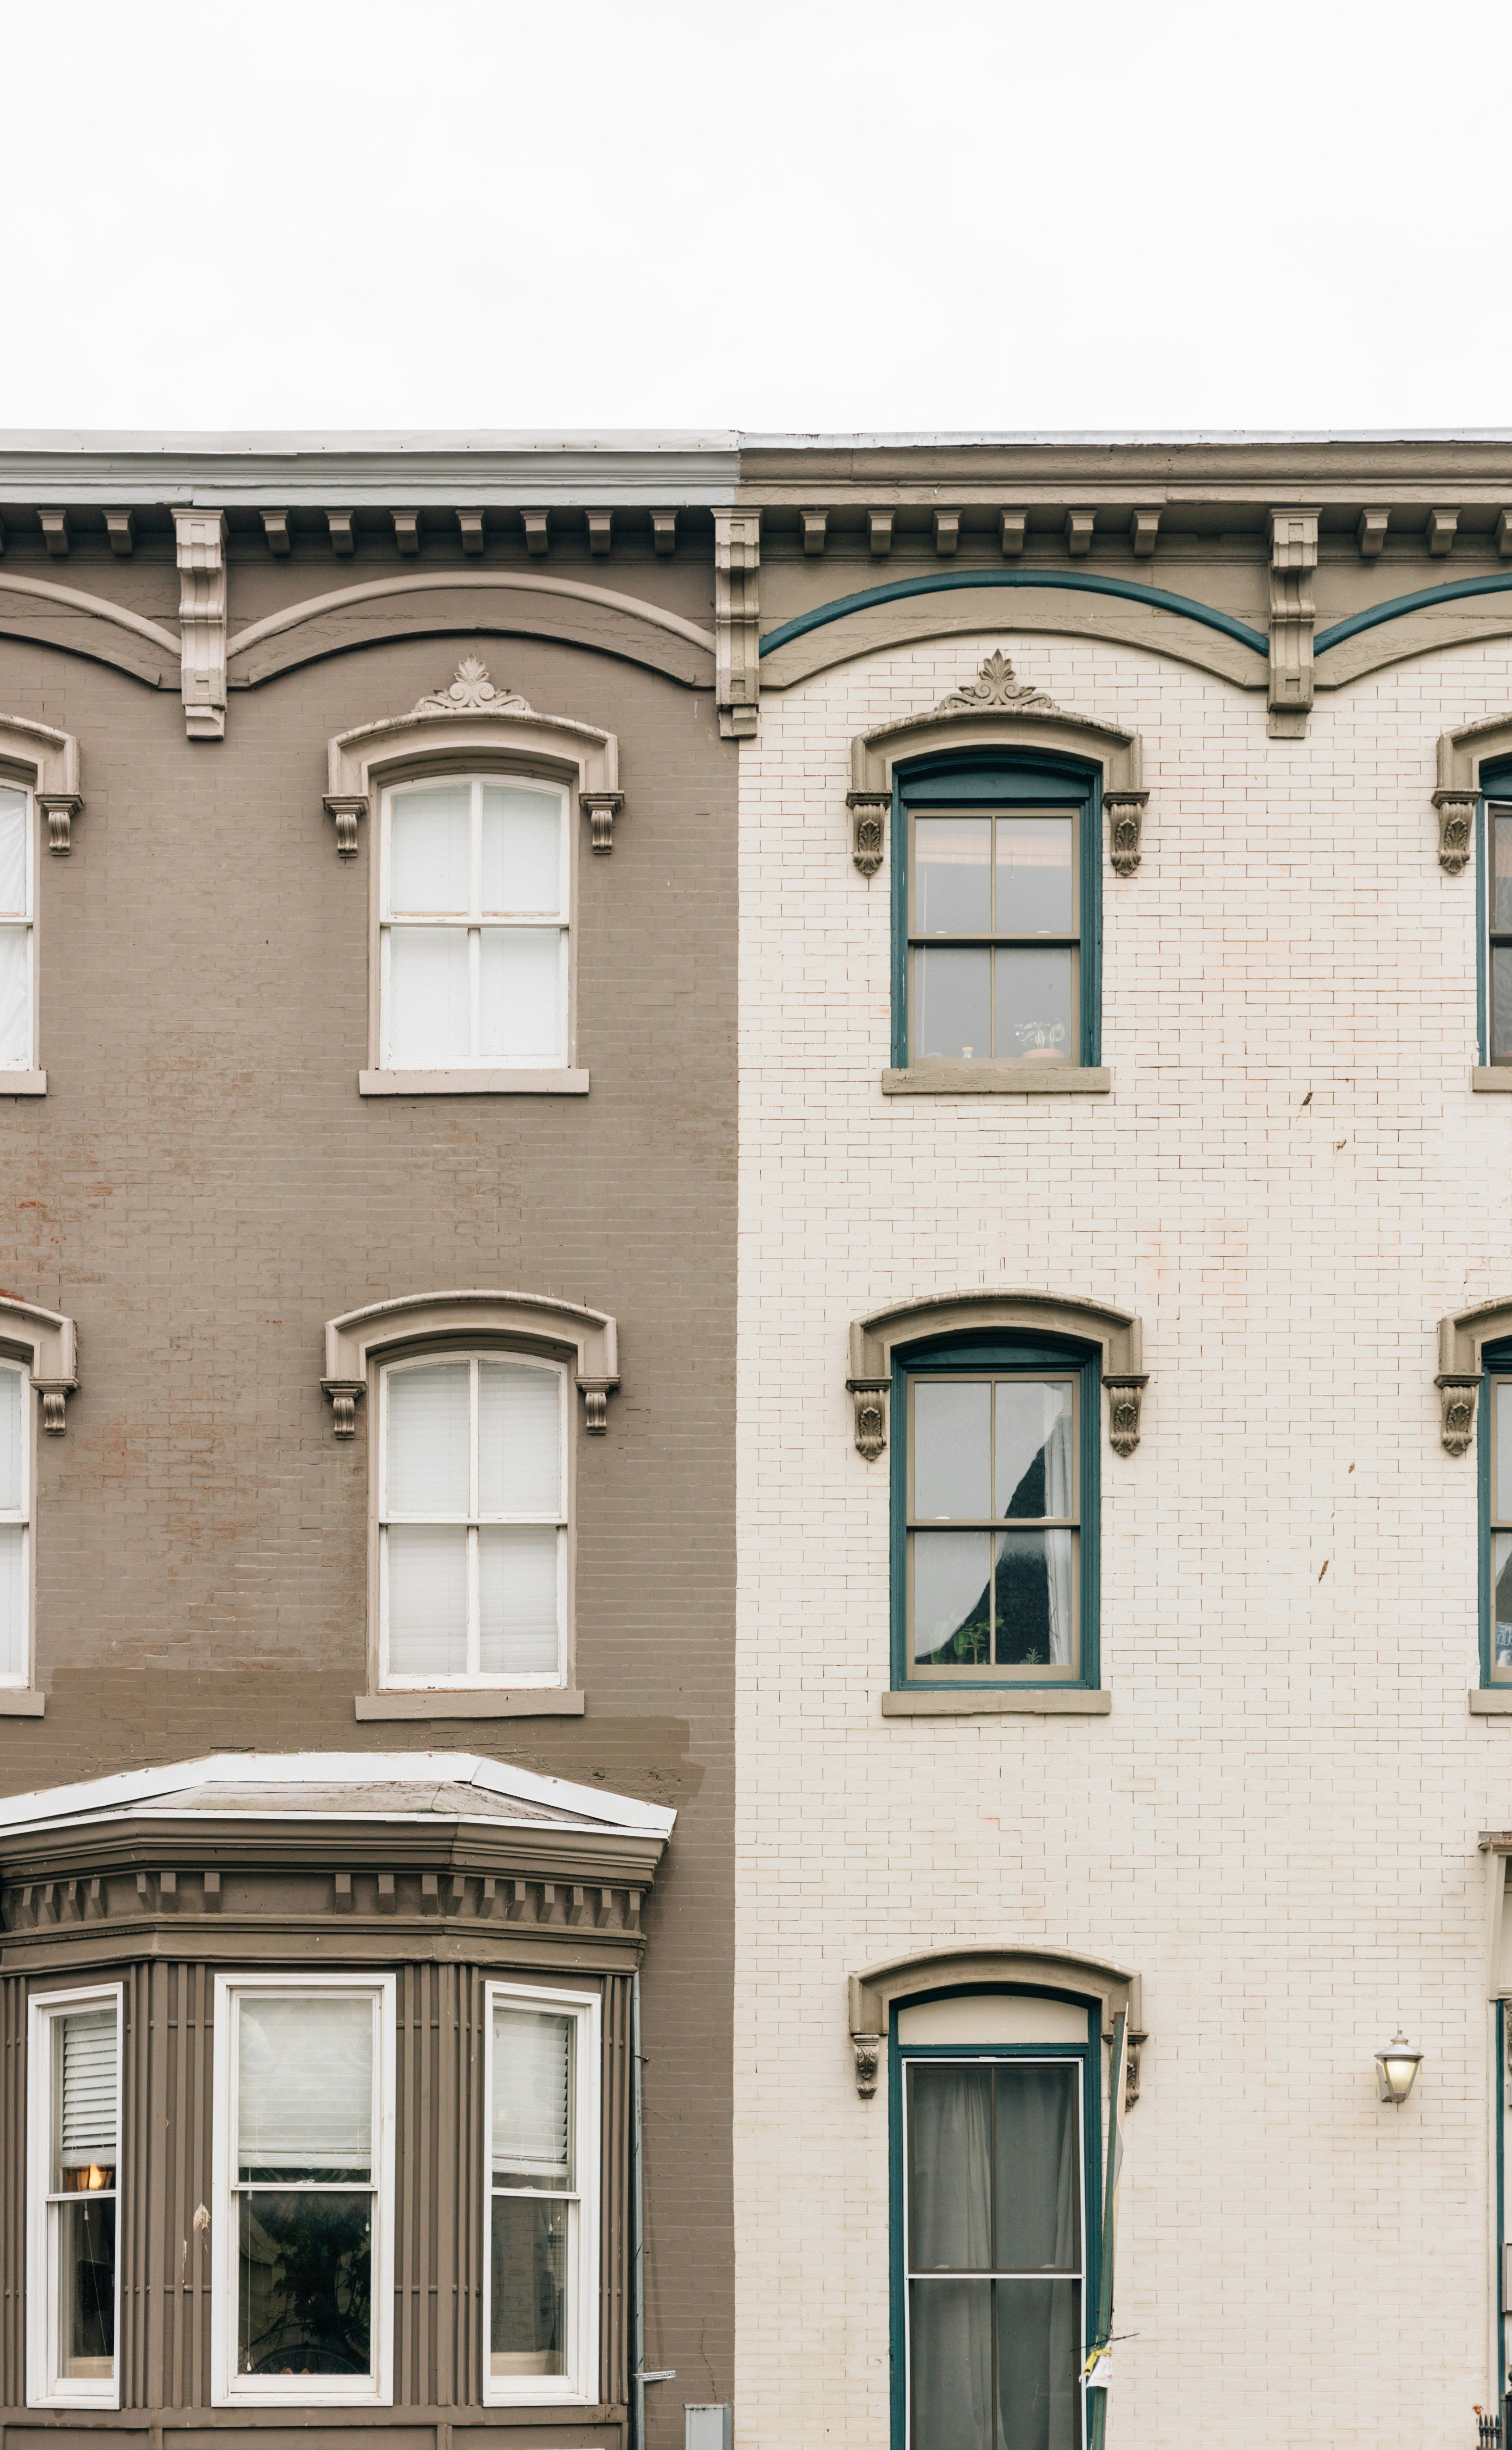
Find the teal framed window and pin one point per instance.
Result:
(1494, 899)
(995, 2151)
(996, 910)
(1495, 1460)
(995, 1491)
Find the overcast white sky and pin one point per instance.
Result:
(839, 215)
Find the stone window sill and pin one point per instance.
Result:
(1491, 1702)
(1487, 1080)
(546, 1702)
(16, 1704)
(987, 1077)
(471, 1084)
(1042, 1701)
(23, 1084)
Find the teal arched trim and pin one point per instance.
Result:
(1493, 583)
(1088, 582)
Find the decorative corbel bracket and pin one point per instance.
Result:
(737, 622)
(868, 2049)
(1293, 612)
(345, 1394)
(1126, 822)
(202, 621)
(870, 1396)
(348, 808)
(1125, 1398)
(601, 809)
(868, 812)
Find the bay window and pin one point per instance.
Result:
(75, 2129)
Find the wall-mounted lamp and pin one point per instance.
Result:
(1396, 2070)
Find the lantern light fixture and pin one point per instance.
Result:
(1396, 2070)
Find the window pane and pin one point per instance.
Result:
(430, 848)
(951, 1574)
(950, 2168)
(950, 2324)
(14, 852)
(1501, 1487)
(518, 1606)
(1039, 2329)
(428, 995)
(520, 993)
(86, 2118)
(15, 997)
(532, 2098)
(12, 1601)
(519, 1438)
(952, 1002)
(1036, 2164)
(11, 1416)
(952, 1450)
(1034, 877)
(427, 1599)
(1501, 871)
(528, 2286)
(305, 2087)
(305, 2283)
(952, 876)
(1035, 1590)
(522, 848)
(87, 2289)
(1034, 994)
(428, 1435)
(1502, 1582)
(1032, 1455)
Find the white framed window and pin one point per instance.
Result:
(541, 2195)
(302, 2303)
(473, 936)
(73, 2285)
(15, 1524)
(472, 1521)
(18, 865)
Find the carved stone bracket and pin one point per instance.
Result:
(202, 621)
(737, 622)
(1126, 821)
(601, 809)
(348, 808)
(345, 1394)
(870, 1397)
(1456, 825)
(1456, 1394)
(60, 809)
(869, 828)
(868, 2049)
(1294, 560)
(1125, 1397)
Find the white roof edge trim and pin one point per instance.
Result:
(136, 1786)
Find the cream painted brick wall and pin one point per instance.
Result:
(1277, 1824)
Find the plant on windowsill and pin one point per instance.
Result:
(1042, 1041)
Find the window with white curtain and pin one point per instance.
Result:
(472, 1521)
(304, 2153)
(17, 891)
(15, 1524)
(992, 1562)
(541, 2246)
(472, 930)
(73, 2289)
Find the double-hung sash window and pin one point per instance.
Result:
(541, 2246)
(17, 892)
(16, 1526)
(75, 2119)
(305, 2158)
(993, 1571)
(473, 932)
(994, 2275)
(997, 946)
(473, 1566)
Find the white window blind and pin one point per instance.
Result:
(304, 2090)
(88, 2121)
(532, 2090)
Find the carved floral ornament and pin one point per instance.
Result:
(874, 1341)
(997, 709)
(479, 715)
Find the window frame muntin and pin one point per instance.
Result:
(227, 2388)
(1093, 2088)
(43, 2007)
(528, 2390)
(473, 1352)
(443, 760)
(12, 778)
(968, 1353)
(1016, 775)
